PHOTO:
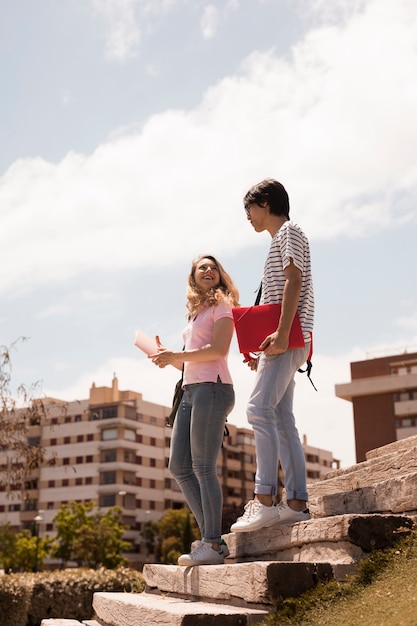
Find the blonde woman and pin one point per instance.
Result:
(207, 401)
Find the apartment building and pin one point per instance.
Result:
(383, 392)
(113, 449)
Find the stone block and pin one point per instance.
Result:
(144, 609)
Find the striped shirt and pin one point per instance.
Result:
(289, 242)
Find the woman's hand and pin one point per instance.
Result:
(164, 358)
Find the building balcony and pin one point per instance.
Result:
(376, 385)
(405, 408)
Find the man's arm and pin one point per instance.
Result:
(277, 342)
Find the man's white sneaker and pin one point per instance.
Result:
(287, 515)
(255, 516)
(202, 554)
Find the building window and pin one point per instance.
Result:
(107, 500)
(79, 459)
(53, 442)
(80, 438)
(108, 456)
(90, 437)
(129, 478)
(129, 456)
(89, 480)
(78, 481)
(153, 420)
(78, 418)
(152, 483)
(51, 484)
(65, 461)
(130, 434)
(107, 478)
(108, 434)
(152, 462)
(153, 441)
(67, 439)
(129, 501)
(65, 482)
(89, 458)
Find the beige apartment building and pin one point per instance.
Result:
(113, 449)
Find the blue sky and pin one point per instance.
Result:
(131, 130)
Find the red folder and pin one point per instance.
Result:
(254, 323)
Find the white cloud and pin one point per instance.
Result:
(123, 34)
(210, 21)
(335, 121)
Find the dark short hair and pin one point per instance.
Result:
(272, 192)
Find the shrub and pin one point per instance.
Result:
(65, 594)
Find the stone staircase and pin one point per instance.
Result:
(354, 510)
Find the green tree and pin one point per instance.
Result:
(7, 547)
(89, 537)
(31, 551)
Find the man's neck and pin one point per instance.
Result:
(275, 222)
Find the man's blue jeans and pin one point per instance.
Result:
(195, 444)
(270, 413)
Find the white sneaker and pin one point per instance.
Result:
(224, 548)
(255, 516)
(202, 554)
(287, 515)
(223, 545)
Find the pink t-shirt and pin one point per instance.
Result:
(198, 333)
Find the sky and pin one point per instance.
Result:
(130, 131)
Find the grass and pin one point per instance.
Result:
(382, 592)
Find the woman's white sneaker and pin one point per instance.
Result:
(202, 554)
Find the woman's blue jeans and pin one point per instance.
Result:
(195, 444)
(270, 413)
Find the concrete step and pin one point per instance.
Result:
(392, 495)
(395, 463)
(148, 609)
(252, 585)
(338, 540)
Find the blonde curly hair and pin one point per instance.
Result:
(225, 290)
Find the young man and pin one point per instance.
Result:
(287, 280)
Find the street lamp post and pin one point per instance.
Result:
(38, 519)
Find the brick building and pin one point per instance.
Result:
(113, 449)
(383, 392)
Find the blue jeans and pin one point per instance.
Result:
(195, 444)
(270, 413)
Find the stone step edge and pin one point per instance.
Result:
(318, 530)
(395, 495)
(375, 456)
(148, 608)
(366, 472)
(250, 584)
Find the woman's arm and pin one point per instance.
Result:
(217, 348)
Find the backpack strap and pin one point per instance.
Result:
(309, 364)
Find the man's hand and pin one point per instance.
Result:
(275, 343)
